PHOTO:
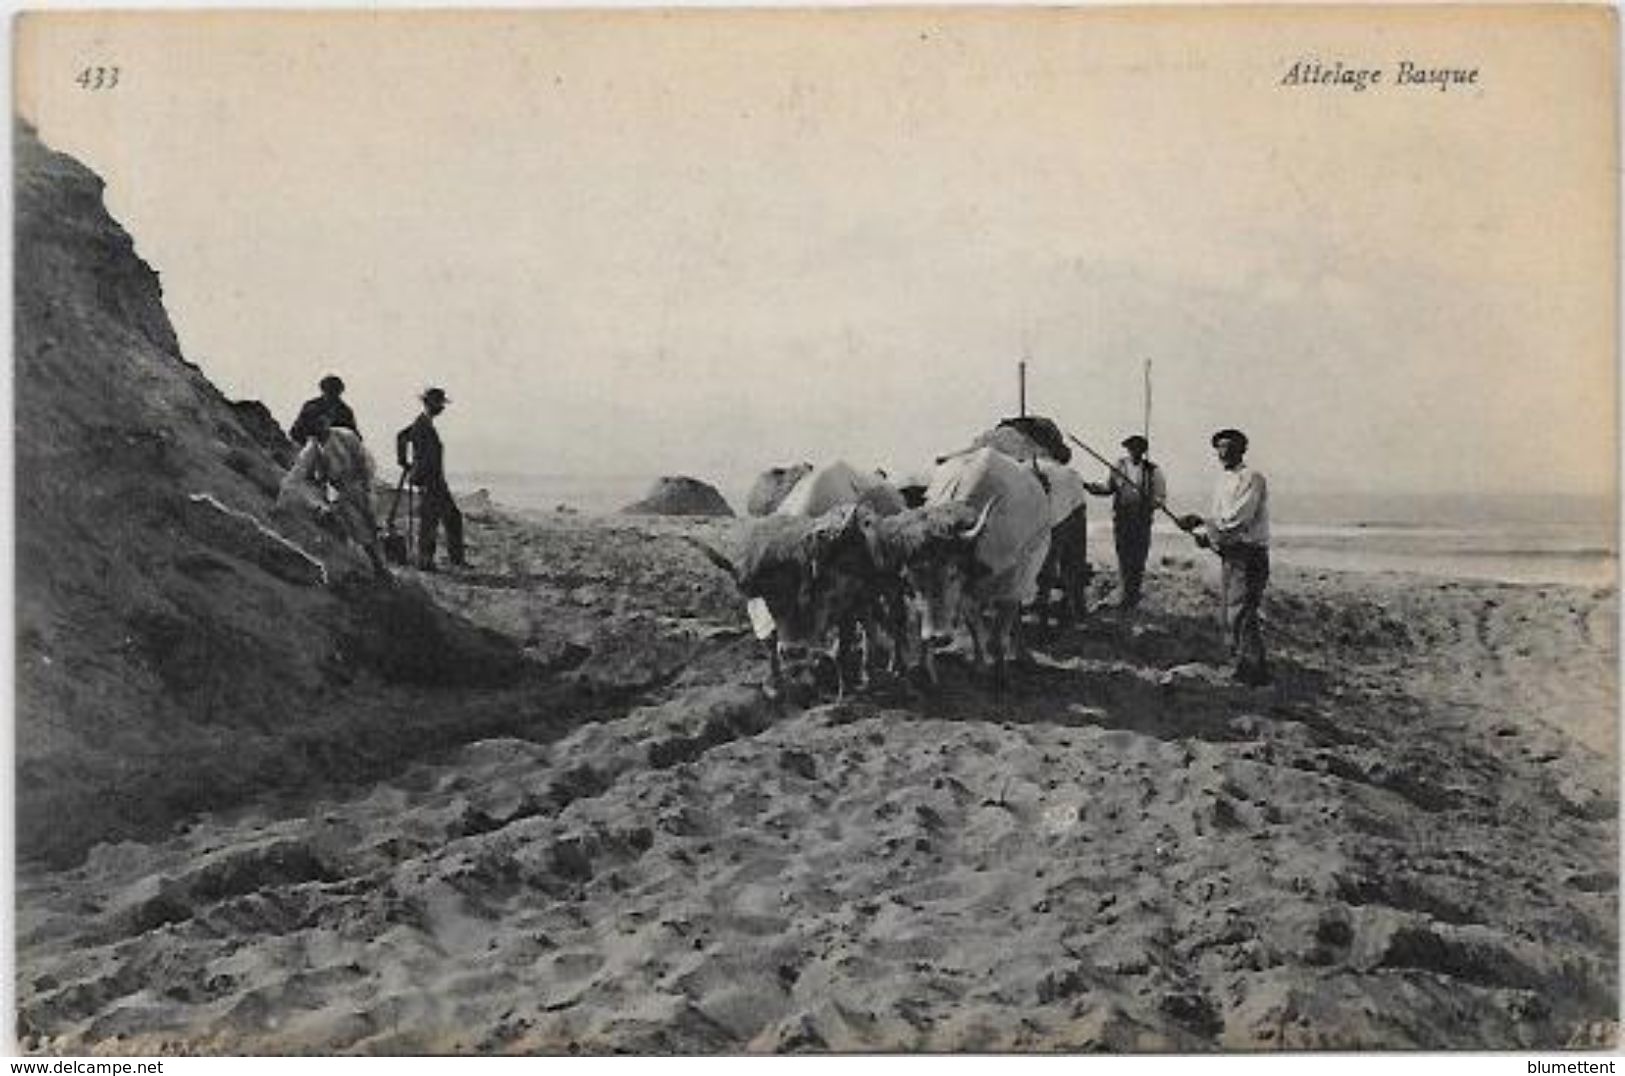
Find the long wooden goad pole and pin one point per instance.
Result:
(1112, 467)
(1145, 429)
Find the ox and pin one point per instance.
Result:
(807, 568)
(976, 546)
(800, 577)
(335, 457)
(879, 591)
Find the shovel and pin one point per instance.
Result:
(394, 542)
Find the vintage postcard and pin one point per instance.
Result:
(816, 530)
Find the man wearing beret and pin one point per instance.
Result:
(1238, 529)
(1137, 490)
(329, 406)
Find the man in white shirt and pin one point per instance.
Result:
(1137, 490)
(1238, 529)
(333, 456)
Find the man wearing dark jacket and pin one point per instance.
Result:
(329, 404)
(418, 449)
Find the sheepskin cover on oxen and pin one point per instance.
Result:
(839, 483)
(1015, 540)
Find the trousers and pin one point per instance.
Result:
(1131, 532)
(436, 508)
(1244, 574)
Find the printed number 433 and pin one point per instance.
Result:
(98, 78)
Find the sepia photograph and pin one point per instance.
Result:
(910, 530)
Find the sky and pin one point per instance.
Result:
(707, 242)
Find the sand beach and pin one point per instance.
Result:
(1408, 842)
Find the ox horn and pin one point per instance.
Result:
(713, 556)
(981, 521)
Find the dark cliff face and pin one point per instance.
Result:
(61, 222)
(168, 649)
(261, 425)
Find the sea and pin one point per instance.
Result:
(1525, 538)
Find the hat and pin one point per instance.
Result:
(331, 383)
(1135, 441)
(1230, 435)
(435, 396)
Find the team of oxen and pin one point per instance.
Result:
(848, 553)
(845, 552)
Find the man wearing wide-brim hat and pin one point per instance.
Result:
(427, 463)
(1137, 489)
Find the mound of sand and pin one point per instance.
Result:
(478, 505)
(178, 647)
(680, 496)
